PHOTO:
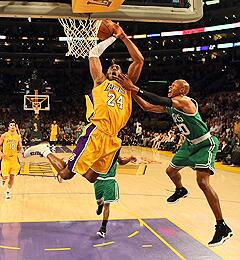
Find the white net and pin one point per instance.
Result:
(81, 35)
(36, 108)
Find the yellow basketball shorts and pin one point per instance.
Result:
(53, 138)
(10, 166)
(94, 150)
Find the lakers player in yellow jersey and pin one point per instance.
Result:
(54, 131)
(10, 142)
(109, 107)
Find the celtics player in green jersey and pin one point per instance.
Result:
(107, 191)
(198, 150)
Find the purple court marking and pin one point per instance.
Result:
(58, 150)
(66, 149)
(80, 236)
(180, 240)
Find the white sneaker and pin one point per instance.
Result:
(40, 149)
(8, 196)
(53, 149)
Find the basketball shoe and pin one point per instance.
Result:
(222, 233)
(40, 149)
(179, 193)
(102, 232)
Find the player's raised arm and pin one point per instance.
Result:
(135, 68)
(95, 63)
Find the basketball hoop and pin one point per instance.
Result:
(81, 35)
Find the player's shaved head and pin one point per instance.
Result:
(184, 86)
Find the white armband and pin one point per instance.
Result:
(98, 50)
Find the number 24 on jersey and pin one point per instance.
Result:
(115, 101)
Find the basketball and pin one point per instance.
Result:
(105, 29)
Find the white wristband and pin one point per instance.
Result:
(98, 50)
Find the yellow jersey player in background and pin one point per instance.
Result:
(10, 142)
(54, 131)
(109, 108)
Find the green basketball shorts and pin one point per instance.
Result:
(196, 156)
(107, 190)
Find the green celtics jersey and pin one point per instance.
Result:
(191, 125)
(111, 173)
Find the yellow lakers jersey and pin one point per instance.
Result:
(109, 107)
(10, 144)
(54, 129)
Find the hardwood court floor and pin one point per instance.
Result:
(37, 199)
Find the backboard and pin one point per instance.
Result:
(36, 103)
(137, 12)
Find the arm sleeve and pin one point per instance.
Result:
(98, 50)
(154, 99)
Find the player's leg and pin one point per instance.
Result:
(204, 160)
(83, 156)
(4, 179)
(100, 204)
(179, 161)
(175, 176)
(99, 190)
(103, 229)
(222, 232)
(14, 170)
(180, 191)
(5, 169)
(110, 194)
(9, 187)
(44, 150)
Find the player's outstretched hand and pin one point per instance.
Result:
(118, 31)
(126, 82)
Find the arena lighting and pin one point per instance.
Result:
(188, 49)
(173, 33)
(222, 27)
(211, 47)
(158, 81)
(2, 37)
(62, 39)
(212, 2)
(225, 45)
(139, 36)
(153, 35)
(192, 31)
